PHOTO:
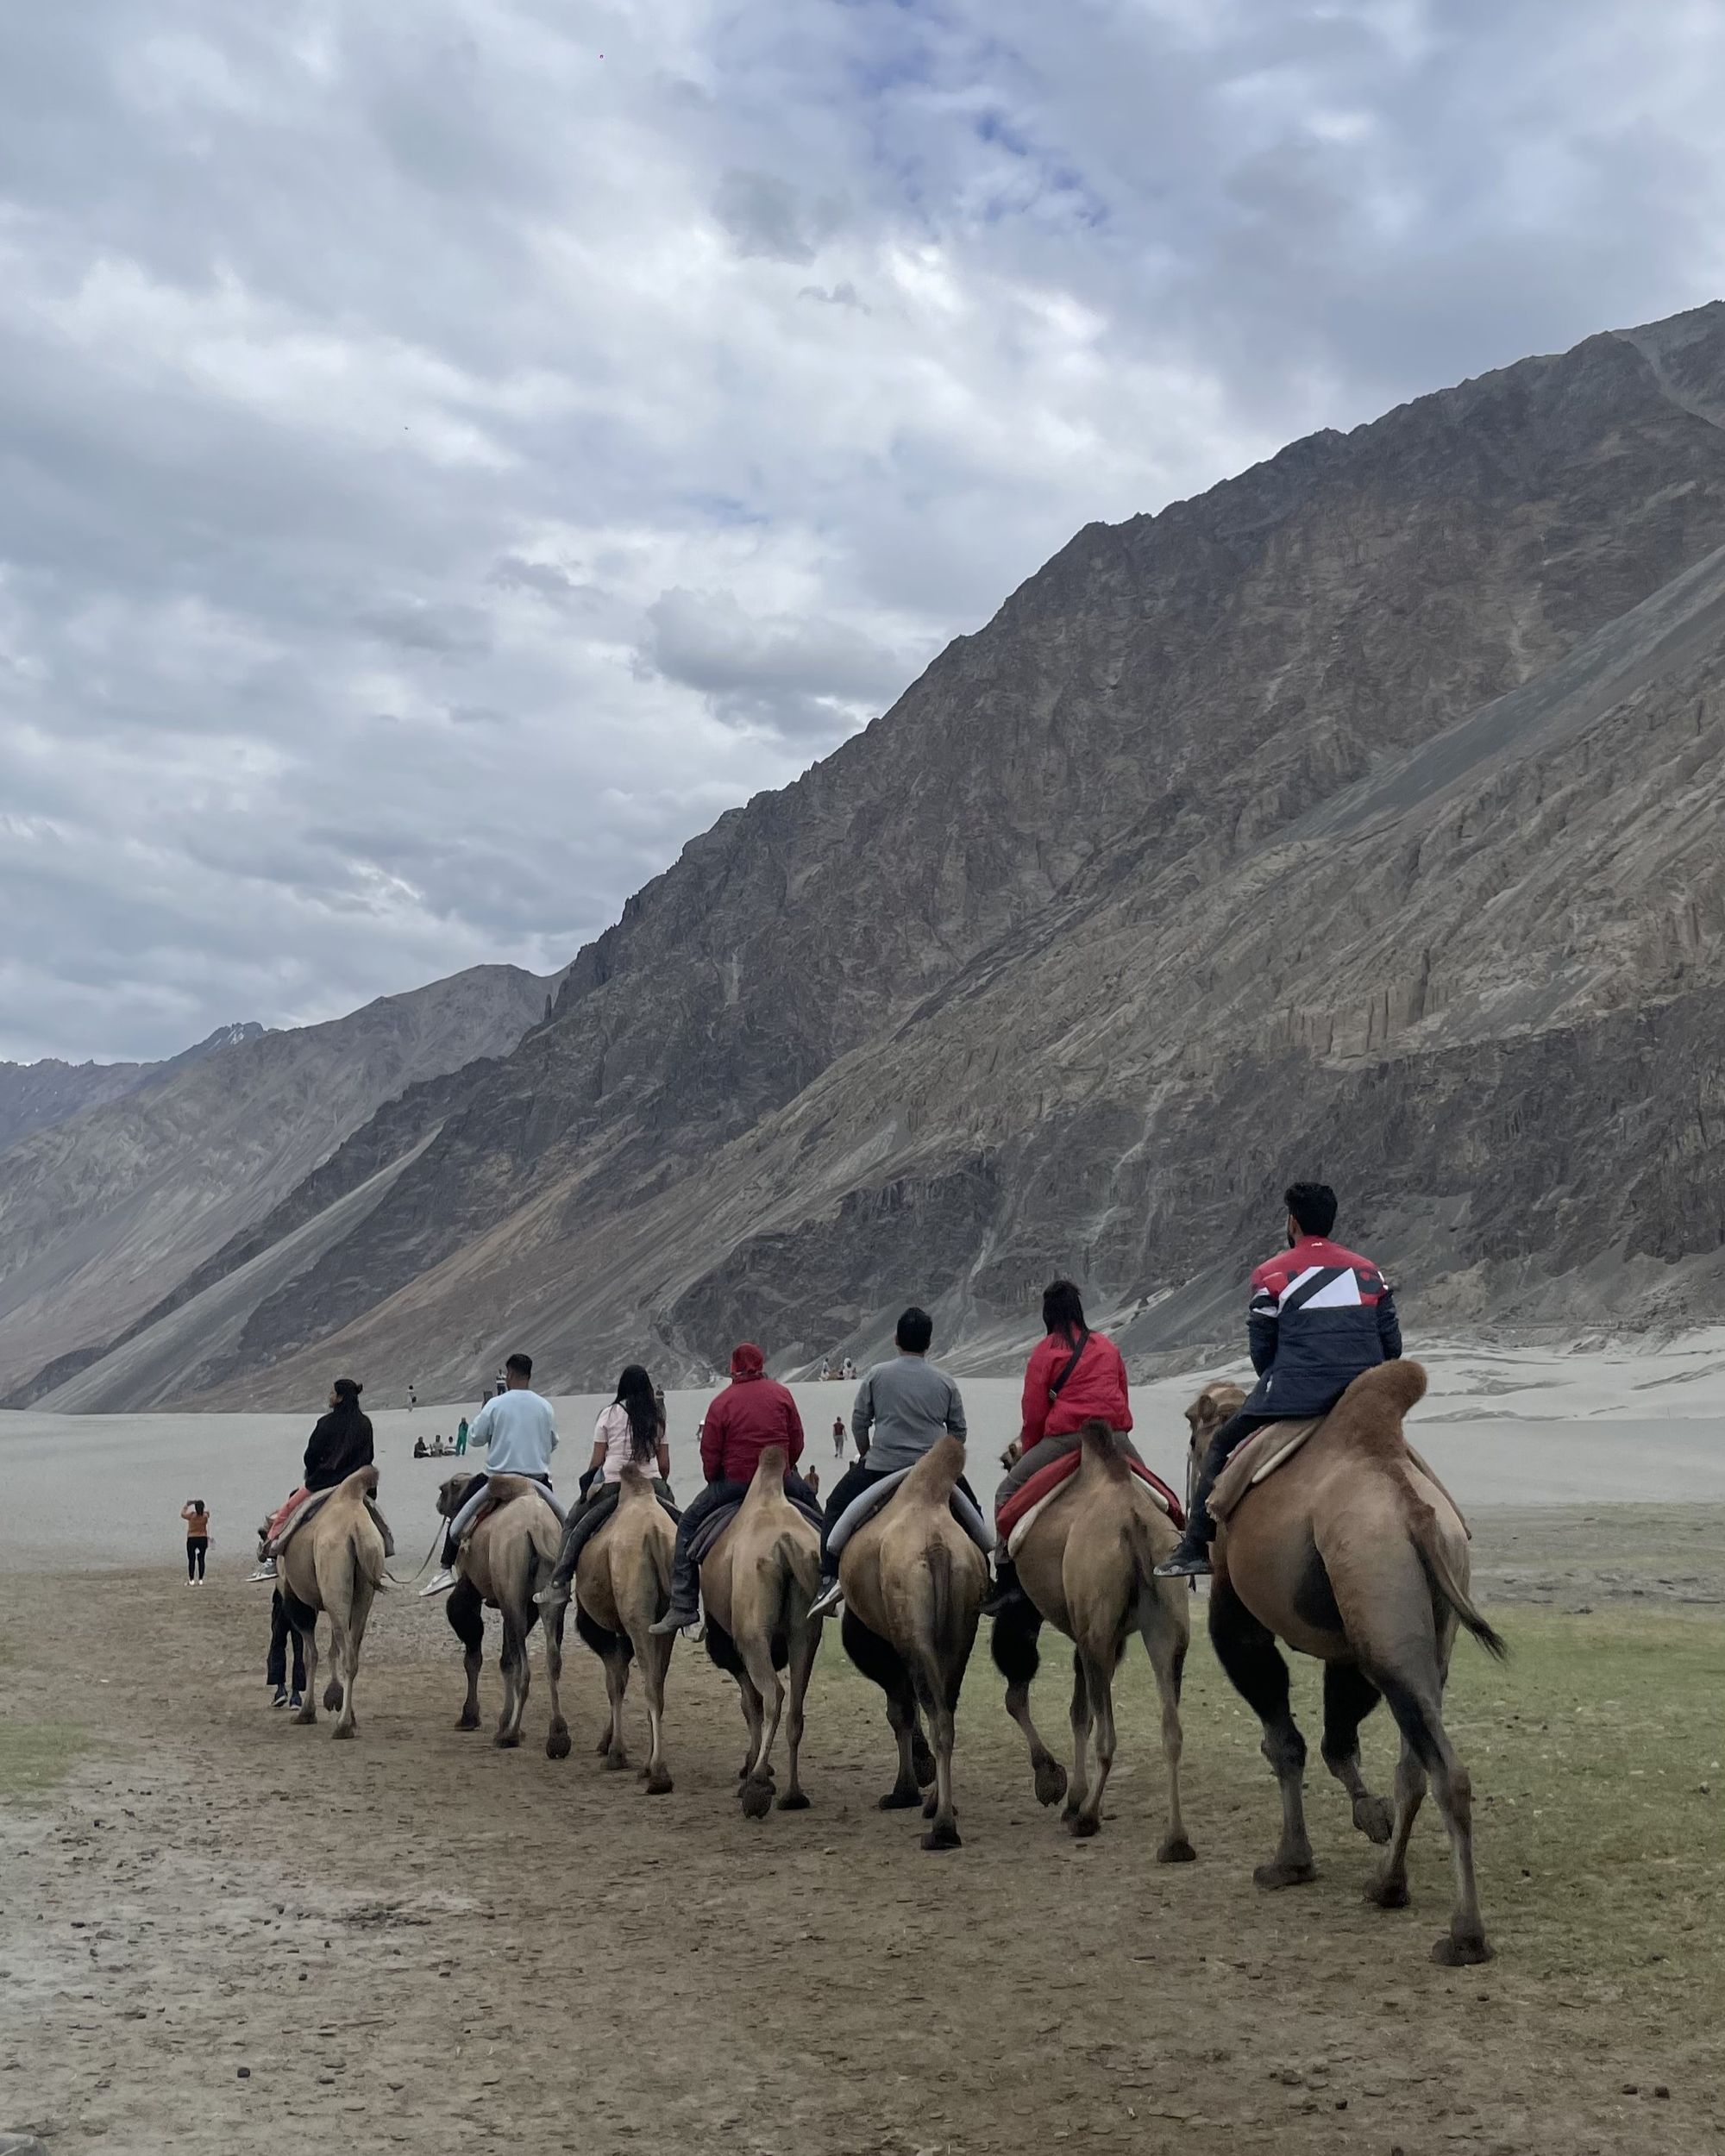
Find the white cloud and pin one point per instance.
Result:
(446, 468)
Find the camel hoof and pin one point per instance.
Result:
(659, 1784)
(615, 1762)
(348, 1729)
(1050, 1780)
(558, 1744)
(468, 1721)
(942, 1835)
(307, 1713)
(901, 1800)
(603, 1745)
(1451, 1953)
(1176, 1850)
(757, 1799)
(332, 1696)
(793, 1800)
(505, 1742)
(1284, 1875)
(1081, 1825)
(1374, 1818)
(1388, 1894)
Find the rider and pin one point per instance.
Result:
(521, 1430)
(630, 1432)
(339, 1445)
(1318, 1316)
(1074, 1376)
(752, 1413)
(903, 1408)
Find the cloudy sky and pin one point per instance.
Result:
(450, 449)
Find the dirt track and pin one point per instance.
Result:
(222, 1927)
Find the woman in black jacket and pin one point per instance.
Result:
(339, 1445)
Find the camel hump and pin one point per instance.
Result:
(936, 1473)
(1396, 1387)
(635, 1481)
(1096, 1441)
(363, 1482)
(771, 1468)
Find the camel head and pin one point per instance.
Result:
(450, 1496)
(1219, 1400)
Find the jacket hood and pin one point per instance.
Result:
(746, 1360)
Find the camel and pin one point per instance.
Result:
(334, 1562)
(1220, 1400)
(622, 1587)
(1085, 1562)
(509, 1553)
(914, 1584)
(757, 1582)
(1352, 1552)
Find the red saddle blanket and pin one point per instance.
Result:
(1049, 1478)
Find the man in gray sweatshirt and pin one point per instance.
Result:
(903, 1406)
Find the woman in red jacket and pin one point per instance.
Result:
(1074, 1376)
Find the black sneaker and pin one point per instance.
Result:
(1187, 1561)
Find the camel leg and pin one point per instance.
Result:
(338, 1655)
(804, 1647)
(753, 1720)
(1014, 1649)
(1390, 1888)
(655, 1658)
(557, 1737)
(1165, 1641)
(465, 1613)
(942, 1832)
(1418, 1709)
(1349, 1697)
(616, 1685)
(514, 1665)
(757, 1787)
(1247, 1650)
(1099, 1693)
(1078, 1786)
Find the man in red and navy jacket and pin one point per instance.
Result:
(1319, 1315)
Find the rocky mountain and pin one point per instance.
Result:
(104, 1216)
(1360, 817)
(36, 1096)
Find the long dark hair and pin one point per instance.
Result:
(1062, 1309)
(635, 1397)
(347, 1391)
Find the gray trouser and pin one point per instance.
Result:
(1044, 1454)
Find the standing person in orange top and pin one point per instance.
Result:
(1074, 1376)
(195, 1515)
(752, 1413)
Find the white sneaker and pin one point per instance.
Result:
(828, 1603)
(440, 1585)
(264, 1571)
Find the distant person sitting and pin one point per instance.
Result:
(903, 1409)
(341, 1444)
(196, 1519)
(519, 1431)
(847, 1369)
(1318, 1317)
(753, 1413)
(421, 1452)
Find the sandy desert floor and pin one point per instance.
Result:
(224, 1933)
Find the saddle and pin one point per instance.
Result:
(869, 1501)
(1272, 1447)
(1025, 1506)
(503, 1489)
(309, 1507)
(703, 1541)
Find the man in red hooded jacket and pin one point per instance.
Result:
(752, 1413)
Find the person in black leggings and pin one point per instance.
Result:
(197, 1518)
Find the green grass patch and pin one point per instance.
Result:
(34, 1757)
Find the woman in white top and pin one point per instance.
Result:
(630, 1432)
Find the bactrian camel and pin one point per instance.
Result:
(334, 1564)
(509, 1553)
(757, 1582)
(1086, 1562)
(622, 1587)
(1351, 1553)
(914, 1584)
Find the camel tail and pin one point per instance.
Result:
(1445, 1588)
(368, 1564)
(1098, 1443)
(942, 1649)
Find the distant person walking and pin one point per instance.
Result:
(838, 1437)
(812, 1478)
(196, 1519)
(460, 1436)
